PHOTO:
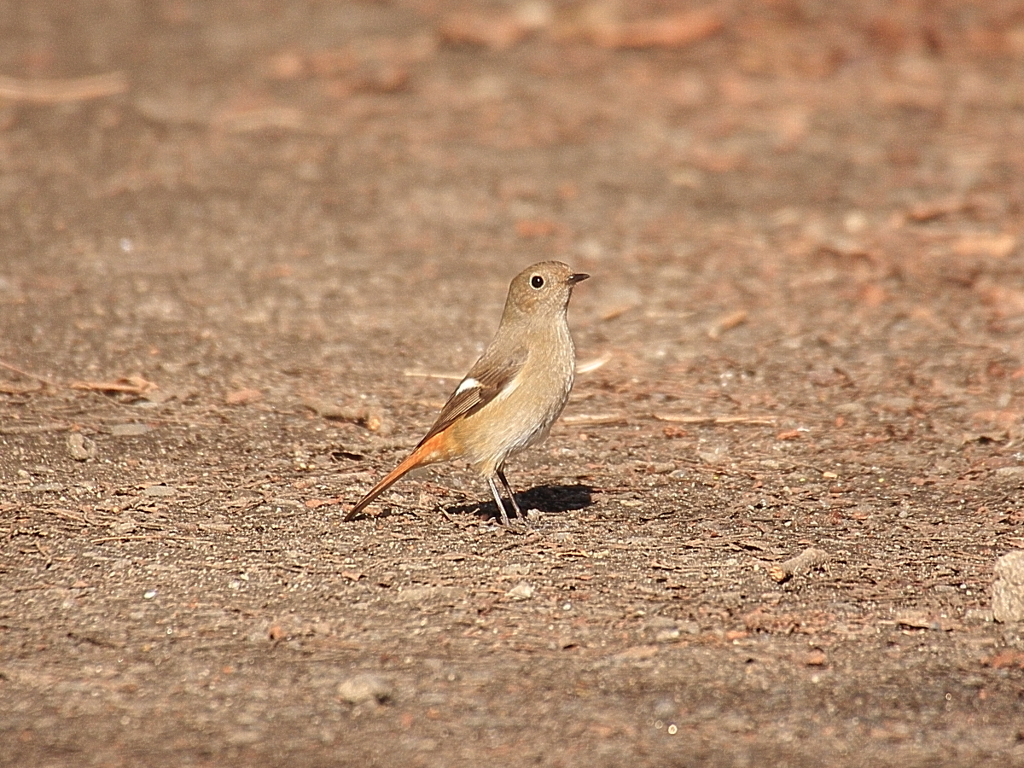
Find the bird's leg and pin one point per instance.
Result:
(497, 500)
(508, 489)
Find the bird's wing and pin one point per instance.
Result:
(487, 379)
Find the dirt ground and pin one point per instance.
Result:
(246, 250)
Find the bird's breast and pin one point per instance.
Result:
(521, 415)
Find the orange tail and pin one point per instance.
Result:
(428, 453)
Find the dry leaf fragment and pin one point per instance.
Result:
(816, 658)
(997, 418)
(727, 323)
(317, 503)
(533, 228)
(286, 65)
(618, 310)
(498, 32)
(131, 385)
(258, 118)
(243, 396)
(997, 246)
(675, 31)
(637, 652)
(1008, 659)
(934, 209)
(1004, 300)
(789, 434)
(809, 558)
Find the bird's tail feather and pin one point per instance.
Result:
(427, 453)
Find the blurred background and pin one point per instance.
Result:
(216, 194)
(718, 157)
(247, 248)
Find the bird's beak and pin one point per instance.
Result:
(577, 277)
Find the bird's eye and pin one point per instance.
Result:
(537, 281)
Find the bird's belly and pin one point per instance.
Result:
(506, 427)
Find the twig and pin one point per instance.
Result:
(806, 560)
(144, 537)
(30, 429)
(66, 514)
(432, 375)
(595, 418)
(57, 91)
(586, 366)
(683, 419)
(364, 416)
(27, 374)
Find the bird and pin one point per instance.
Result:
(512, 394)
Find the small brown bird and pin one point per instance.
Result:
(513, 393)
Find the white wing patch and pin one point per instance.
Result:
(468, 383)
(511, 387)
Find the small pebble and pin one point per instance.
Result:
(690, 627)
(1010, 472)
(160, 490)
(665, 708)
(521, 591)
(129, 430)
(1008, 588)
(364, 688)
(80, 448)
